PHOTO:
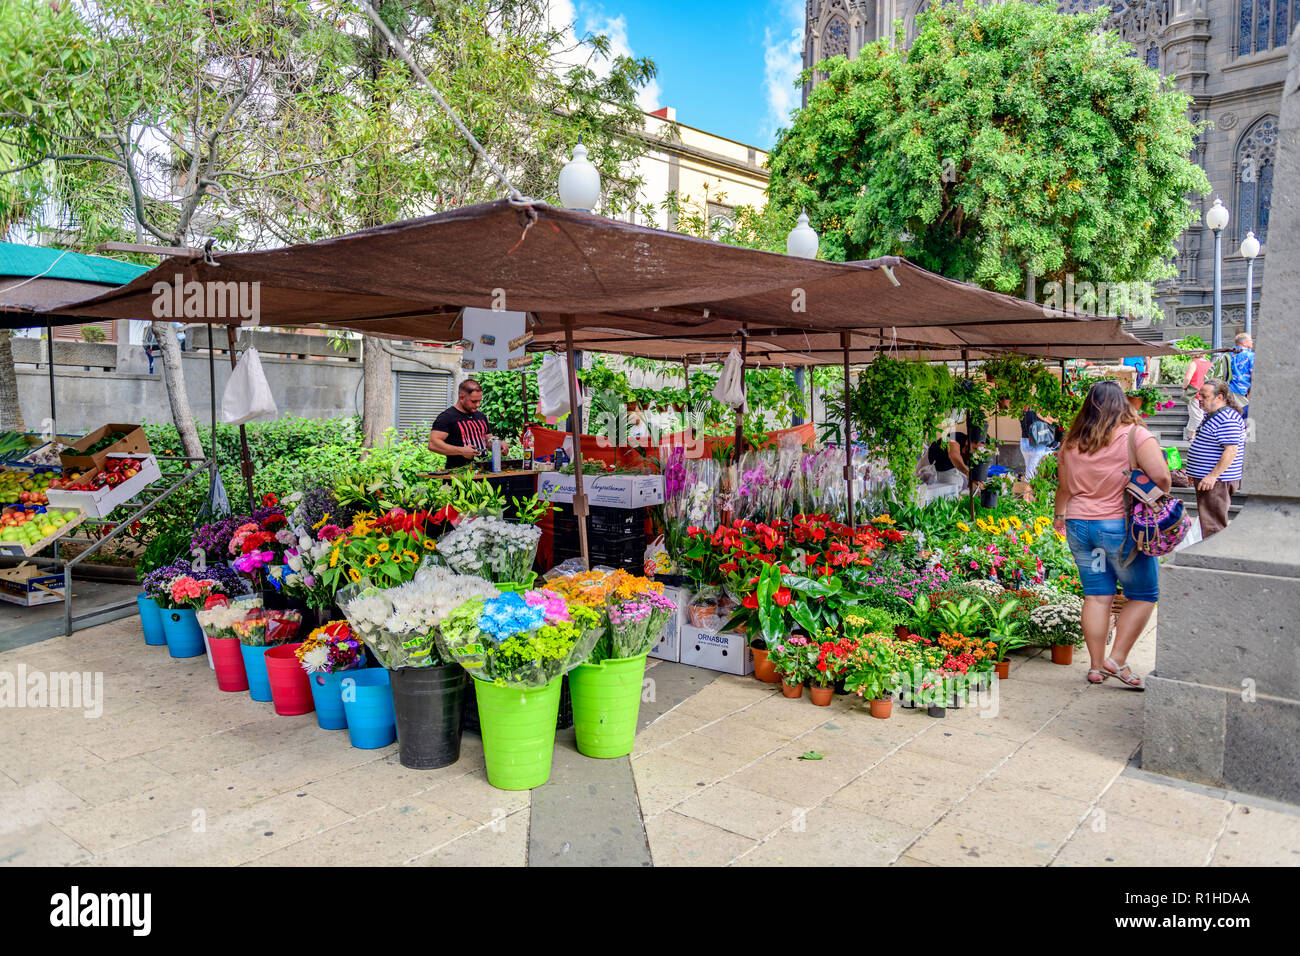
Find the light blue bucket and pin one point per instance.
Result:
(325, 690)
(181, 628)
(368, 702)
(151, 620)
(259, 684)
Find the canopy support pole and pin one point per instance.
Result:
(579, 496)
(797, 420)
(54, 418)
(848, 445)
(970, 444)
(740, 412)
(523, 396)
(686, 404)
(246, 461)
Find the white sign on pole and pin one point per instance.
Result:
(494, 341)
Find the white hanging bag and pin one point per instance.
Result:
(553, 386)
(248, 394)
(730, 390)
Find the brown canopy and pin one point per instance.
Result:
(410, 279)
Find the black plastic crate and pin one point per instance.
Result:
(615, 522)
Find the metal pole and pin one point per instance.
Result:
(575, 364)
(848, 445)
(579, 496)
(1217, 336)
(246, 461)
(523, 395)
(740, 415)
(797, 420)
(212, 390)
(970, 444)
(54, 418)
(1250, 292)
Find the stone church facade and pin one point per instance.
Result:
(1229, 56)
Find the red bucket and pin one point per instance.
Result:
(228, 662)
(290, 689)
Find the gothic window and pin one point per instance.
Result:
(1153, 56)
(836, 40)
(1265, 24)
(1256, 157)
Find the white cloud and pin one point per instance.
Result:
(564, 16)
(782, 63)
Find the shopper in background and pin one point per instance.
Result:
(1091, 505)
(1037, 435)
(1241, 369)
(951, 460)
(1139, 364)
(1215, 457)
(1193, 379)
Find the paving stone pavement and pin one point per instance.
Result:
(174, 772)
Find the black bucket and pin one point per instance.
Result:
(989, 498)
(428, 702)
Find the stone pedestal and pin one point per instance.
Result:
(1223, 706)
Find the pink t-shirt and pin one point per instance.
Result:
(1096, 482)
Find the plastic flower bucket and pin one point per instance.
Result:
(150, 620)
(228, 663)
(368, 704)
(606, 703)
(290, 690)
(259, 686)
(181, 628)
(328, 697)
(428, 703)
(518, 726)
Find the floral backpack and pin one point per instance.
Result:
(1157, 521)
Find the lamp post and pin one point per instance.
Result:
(1249, 250)
(802, 240)
(579, 182)
(1217, 220)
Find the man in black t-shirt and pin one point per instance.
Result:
(462, 430)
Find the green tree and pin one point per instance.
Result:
(1008, 137)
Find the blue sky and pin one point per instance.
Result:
(725, 66)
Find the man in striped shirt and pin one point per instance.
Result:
(1216, 454)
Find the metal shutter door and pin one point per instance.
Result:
(421, 397)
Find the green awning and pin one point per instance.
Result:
(27, 261)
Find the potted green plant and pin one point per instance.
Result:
(1007, 633)
(765, 616)
(790, 657)
(873, 672)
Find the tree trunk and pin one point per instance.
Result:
(11, 413)
(377, 405)
(174, 376)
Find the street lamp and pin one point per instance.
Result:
(1249, 249)
(579, 183)
(1217, 220)
(802, 240)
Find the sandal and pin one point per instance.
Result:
(1101, 676)
(1132, 681)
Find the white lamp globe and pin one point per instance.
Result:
(579, 183)
(1217, 217)
(1250, 246)
(802, 240)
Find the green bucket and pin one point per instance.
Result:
(606, 702)
(518, 727)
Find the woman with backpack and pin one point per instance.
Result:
(1037, 435)
(1091, 505)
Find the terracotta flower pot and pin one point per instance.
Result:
(764, 669)
(792, 690)
(821, 696)
(1063, 654)
(702, 614)
(880, 709)
(1136, 402)
(1003, 669)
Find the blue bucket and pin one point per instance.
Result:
(151, 620)
(328, 695)
(182, 631)
(259, 684)
(368, 702)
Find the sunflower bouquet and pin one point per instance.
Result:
(388, 549)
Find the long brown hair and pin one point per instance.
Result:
(1105, 407)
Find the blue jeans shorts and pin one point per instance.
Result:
(1099, 547)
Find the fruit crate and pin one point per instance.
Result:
(27, 550)
(100, 502)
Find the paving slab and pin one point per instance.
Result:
(680, 840)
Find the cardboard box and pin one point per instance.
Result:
(131, 442)
(97, 504)
(1023, 490)
(668, 647)
(605, 491)
(28, 586)
(726, 651)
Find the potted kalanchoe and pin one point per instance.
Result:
(790, 656)
(834, 657)
(873, 670)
